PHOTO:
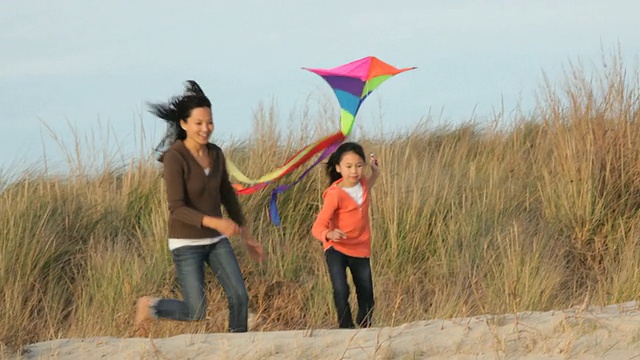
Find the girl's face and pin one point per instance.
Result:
(198, 126)
(350, 167)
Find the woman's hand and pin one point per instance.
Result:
(336, 235)
(256, 250)
(224, 226)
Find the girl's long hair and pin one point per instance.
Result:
(176, 109)
(335, 158)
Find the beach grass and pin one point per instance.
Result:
(539, 212)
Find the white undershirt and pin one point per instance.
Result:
(176, 243)
(356, 192)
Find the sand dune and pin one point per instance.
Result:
(610, 332)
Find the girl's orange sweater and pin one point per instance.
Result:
(340, 211)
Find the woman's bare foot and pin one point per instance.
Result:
(143, 315)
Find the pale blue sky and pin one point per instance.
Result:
(80, 61)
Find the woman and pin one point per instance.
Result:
(198, 186)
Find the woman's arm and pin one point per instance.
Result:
(228, 195)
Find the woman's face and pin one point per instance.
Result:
(199, 125)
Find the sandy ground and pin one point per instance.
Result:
(610, 332)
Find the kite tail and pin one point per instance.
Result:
(295, 161)
(273, 208)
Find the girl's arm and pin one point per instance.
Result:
(324, 221)
(375, 171)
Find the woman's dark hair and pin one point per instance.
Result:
(176, 109)
(336, 157)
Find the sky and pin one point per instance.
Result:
(91, 67)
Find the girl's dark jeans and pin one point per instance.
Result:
(189, 262)
(360, 268)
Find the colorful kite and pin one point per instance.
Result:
(351, 83)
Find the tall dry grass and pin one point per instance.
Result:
(467, 219)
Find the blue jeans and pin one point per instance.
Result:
(189, 262)
(360, 268)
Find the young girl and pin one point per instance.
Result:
(197, 185)
(343, 228)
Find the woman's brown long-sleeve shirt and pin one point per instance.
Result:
(193, 194)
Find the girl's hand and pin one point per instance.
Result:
(336, 235)
(374, 163)
(375, 171)
(256, 250)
